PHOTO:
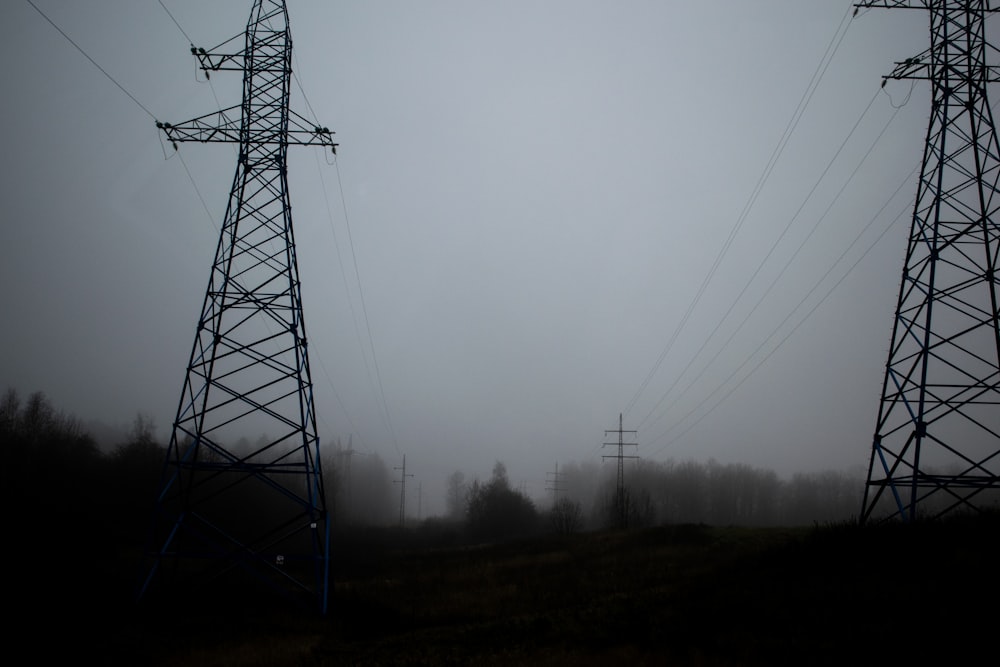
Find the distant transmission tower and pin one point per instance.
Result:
(225, 511)
(936, 446)
(621, 497)
(554, 484)
(348, 455)
(402, 491)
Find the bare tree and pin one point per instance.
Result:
(455, 495)
(566, 516)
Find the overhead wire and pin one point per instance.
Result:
(770, 252)
(194, 184)
(784, 339)
(132, 97)
(781, 273)
(797, 307)
(907, 207)
(92, 61)
(305, 98)
(364, 310)
(906, 100)
(183, 32)
(190, 41)
(733, 388)
(314, 117)
(779, 149)
(357, 273)
(831, 50)
(350, 302)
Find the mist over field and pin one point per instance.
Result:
(499, 578)
(596, 300)
(539, 217)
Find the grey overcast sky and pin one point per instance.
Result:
(529, 197)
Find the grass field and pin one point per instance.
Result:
(673, 595)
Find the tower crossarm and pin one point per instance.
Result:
(223, 57)
(903, 4)
(922, 65)
(919, 67)
(220, 57)
(225, 126)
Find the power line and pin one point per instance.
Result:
(774, 246)
(197, 190)
(811, 87)
(721, 385)
(787, 318)
(553, 483)
(364, 310)
(788, 263)
(201, 198)
(343, 274)
(402, 491)
(788, 335)
(92, 61)
(190, 41)
(302, 90)
(350, 303)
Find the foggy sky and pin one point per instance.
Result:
(531, 195)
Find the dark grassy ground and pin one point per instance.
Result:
(681, 595)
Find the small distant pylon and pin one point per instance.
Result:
(936, 448)
(225, 515)
(348, 456)
(621, 496)
(554, 484)
(402, 491)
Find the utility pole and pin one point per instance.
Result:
(936, 447)
(554, 484)
(621, 499)
(348, 455)
(262, 515)
(402, 491)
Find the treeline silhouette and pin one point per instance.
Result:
(60, 488)
(713, 493)
(655, 493)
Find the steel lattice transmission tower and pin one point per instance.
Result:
(225, 509)
(622, 499)
(936, 447)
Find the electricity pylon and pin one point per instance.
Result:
(226, 510)
(554, 484)
(621, 497)
(936, 447)
(402, 491)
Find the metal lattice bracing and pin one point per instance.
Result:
(242, 491)
(622, 499)
(936, 448)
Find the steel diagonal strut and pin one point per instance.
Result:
(229, 506)
(936, 447)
